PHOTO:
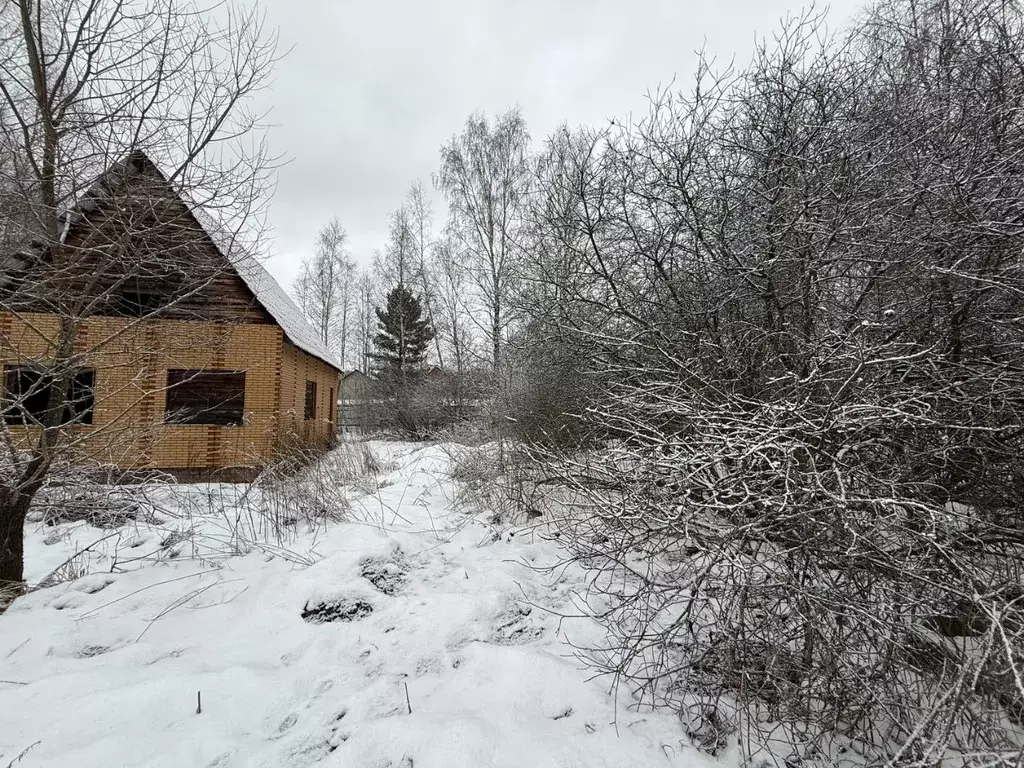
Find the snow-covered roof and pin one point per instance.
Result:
(266, 290)
(279, 304)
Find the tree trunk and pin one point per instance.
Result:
(496, 336)
(12, 541)
(344, 332)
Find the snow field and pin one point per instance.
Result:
(425, 643)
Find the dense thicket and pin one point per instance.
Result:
(797, 296)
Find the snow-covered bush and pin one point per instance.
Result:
(799, 291)
(315, 488)
(757, 567)
(496, 477)
(310, 490)
(105, 500)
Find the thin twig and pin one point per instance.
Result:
(45, 581)
(143, 589)
(24, 752)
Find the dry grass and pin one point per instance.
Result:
(208, 522)
(496, 477)
(9, 593)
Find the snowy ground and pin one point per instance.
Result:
(426, 612)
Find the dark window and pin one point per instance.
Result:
(205, 397)
(139, 303)
(27, 396)
(310, 400)
(331, 405)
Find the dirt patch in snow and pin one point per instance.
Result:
(342, 609)
(386, 575)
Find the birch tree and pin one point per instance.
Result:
(364, 326)
(324, 288)
(397, 263)
(421, 219)
(485, 177)
(452, 323)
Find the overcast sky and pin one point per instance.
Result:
(372, 88)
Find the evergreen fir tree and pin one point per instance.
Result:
(402, 339)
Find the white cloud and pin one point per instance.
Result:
(370, 90)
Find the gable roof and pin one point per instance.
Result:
(264, 288)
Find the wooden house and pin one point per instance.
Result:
(355, 385)
(190, 358)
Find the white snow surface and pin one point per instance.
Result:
(105, 670)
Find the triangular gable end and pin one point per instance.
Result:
(264, 290)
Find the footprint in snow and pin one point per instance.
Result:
(515, 627)
(221, 761)
(175, 654)
(339, 736)
(287, 724)
(405, 762)
(94, 583)
(90, 651)
(427, 665)
(69, 600)
(306, 750)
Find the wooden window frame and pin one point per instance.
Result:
(309, 407)
(192, 399)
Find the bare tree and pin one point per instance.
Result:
(86, 88)
(365, 321)
(421, 221)
(798, 290)
(450, 303)
(324, 287)
(485, 175)
(397, 264)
